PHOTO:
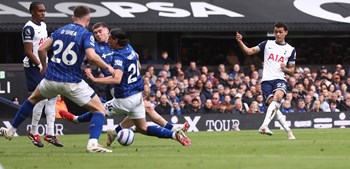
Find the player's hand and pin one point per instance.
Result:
(111, 71)
(89, 74)
(283, 67)
(239, 37)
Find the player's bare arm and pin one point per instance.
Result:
(46, 46)
(289, 70)
(28, 50)
(246, 50)
(95, 59)
(105, 80)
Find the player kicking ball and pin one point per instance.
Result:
(279, 60)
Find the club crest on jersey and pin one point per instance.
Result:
(27, 32)
(276, 58)
(119, 62)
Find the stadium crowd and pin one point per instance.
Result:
(175, 90)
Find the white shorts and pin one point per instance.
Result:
(133, 106)
(80, 93)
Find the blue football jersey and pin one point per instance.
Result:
(69, 44)
(106, 53)
(126, 59)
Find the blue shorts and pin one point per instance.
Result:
(33, 77)
(269, 87)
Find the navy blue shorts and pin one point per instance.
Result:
(269, 87)
(33, 77)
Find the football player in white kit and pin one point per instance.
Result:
(279, 59)
(34, 34)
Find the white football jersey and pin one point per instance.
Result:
(35, 34)
(274, 55)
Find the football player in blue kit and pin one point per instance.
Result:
(70, 44)
(101, 33)
(279, 60)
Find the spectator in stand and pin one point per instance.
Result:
(172, 96)
(260, 100)
(336, 81)
(165, 58)
(183, 105)
(165, 68)
(194, 107)
(163, 107)
(204, 70)
(239, 108)
(192, 70)
(291, 83)
(146, 58)
(300, 106)
(301, 90)
(343, 89)
(152, 100)
(254, 108)
(227, 103)
(347, 82)
(199, 85)
(333, 107)
(316, 107)
(216, 101)
(175, 109)
(307, 84)
(207, 91)
(342, 74)
(346, 106)
(236, 69)
(248, 97)
(337, 68)
(323, 104)
(150, 69)
(176, 69)
(208, 107)
(163, 89)
(308, 102)
(287, 107)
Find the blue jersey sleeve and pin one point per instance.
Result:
(118, 62)
(262, 45)
(28, 34)
(89, 41)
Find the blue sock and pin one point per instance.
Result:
(159, 132)
(118, 128)
(24, 111)
(96, 125)
(168, 126)
(86, 117)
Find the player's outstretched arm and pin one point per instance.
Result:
(96, 60)
(246, 50)
(105, 80)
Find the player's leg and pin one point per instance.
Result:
(160, 132)
(50, 111)
(267, 89)
(158, 119)
(24, 111)
(33, 134)
(96, 123)
(137, 114)
(282, 120)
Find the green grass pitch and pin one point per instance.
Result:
(313, 149)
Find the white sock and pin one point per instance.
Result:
(50, 111)
(93, 141)
(37, 111)
(269, 116)
(12, 130)
(282, 120)
(174, 136)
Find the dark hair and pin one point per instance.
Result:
(281, 25)
(100, 24)
(120, 35)
(33, 5)
(81, 11)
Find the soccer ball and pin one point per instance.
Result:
(126, 137)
